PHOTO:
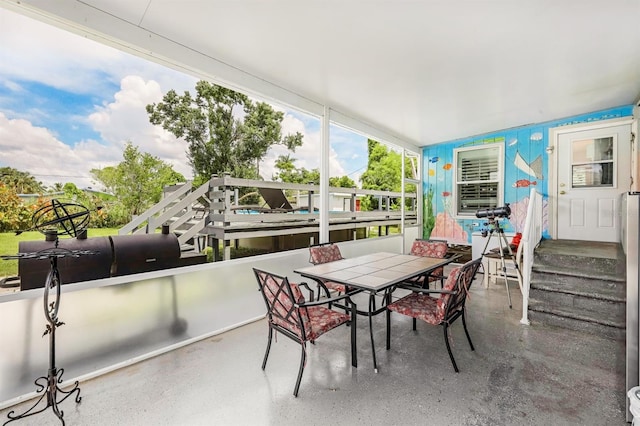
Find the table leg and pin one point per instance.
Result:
(372, 304)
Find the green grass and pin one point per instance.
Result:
(9, 246)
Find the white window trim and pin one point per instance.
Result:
(456, 151)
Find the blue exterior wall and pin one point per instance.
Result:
(526, 142)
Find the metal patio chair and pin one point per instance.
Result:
(429, 248)
(324, 253)
(445, 310)
(290, 314)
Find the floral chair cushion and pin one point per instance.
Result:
(324, 254)
(340, 288)
(427, 308)
(321, 320)
(316, 320)
(443, 300)
(429, 248)
(417, 305)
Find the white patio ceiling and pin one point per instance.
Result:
(421, 71)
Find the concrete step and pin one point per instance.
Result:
(573, 320)
(567, 272)
(612, 288)
(581, 258)
(589, 305)
(579, 285)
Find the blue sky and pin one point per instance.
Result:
(49, 107)
(69, 104)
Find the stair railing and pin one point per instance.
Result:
(531, 237)
(177, 209)
(135, 226)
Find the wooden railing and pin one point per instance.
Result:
(216, 209)
(225, 202)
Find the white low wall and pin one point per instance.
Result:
(112, 323)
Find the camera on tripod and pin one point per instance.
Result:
(497, 212)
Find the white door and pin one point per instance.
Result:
(594, 168)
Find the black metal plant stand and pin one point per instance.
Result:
(73, 219)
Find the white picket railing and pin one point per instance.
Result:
(531, 237)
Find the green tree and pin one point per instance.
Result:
(97, 216)
(288, 172)
(21, 182)
(74, 194)
(225, 131)
(57, 187)
(137, 181)
(342, 182)
(383, 173)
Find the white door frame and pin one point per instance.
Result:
(552, 150)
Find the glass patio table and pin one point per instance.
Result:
(374, 273)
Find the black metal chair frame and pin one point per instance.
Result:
(296, 320)
(455, 307)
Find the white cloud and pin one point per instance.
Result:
(14, 87)
(35, 51)
(73, 63)
(35, 150)
(22, 145)
(125, 119)
(307, 155)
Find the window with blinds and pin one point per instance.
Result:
(478, 182)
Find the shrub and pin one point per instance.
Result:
(14, 215)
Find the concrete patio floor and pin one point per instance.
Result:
(518, 375)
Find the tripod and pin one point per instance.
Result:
(503, 245)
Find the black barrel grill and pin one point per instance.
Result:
(144, 253)
(114, 256)
(33, 272)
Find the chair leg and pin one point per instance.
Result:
(414, 324)
(346, 302)
(446, 341)
(266, 354)
(303, 359)
(326, 292)
(464, 324)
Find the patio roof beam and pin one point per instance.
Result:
(324, 176)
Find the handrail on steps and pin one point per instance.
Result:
(531, 237)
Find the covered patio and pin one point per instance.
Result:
(517, 375)
(185, 347)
